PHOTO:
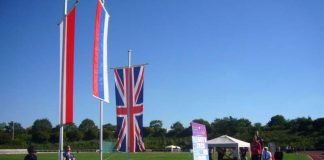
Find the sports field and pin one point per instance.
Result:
(134, 156)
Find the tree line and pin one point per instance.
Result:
(303, 133)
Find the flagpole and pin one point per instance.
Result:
(136, 65)
(101, 116)
(101, 128)
(61, 84)
(129, 99)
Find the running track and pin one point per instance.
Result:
(316, 155)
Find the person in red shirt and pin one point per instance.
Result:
(259, 138)
(256, 149)
(272, 158)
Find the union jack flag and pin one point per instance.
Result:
(129, 93)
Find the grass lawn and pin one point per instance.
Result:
(110, 156)
(296, 156)
(134, 156)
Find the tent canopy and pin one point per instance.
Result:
(173, 147)
(227, 141)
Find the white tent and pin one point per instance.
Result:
(228, 142)
(173, 148)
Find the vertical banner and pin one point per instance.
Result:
(100, 65)
(67, 30)
(129, 84)
(199, 141)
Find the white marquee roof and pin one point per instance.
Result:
(173, 146)
(227, 141)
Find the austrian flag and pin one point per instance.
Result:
(67, 29)
(100, 66)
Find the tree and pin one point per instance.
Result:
(89, 129)
(109, 131)
(240, 128)
(41, 130)
(224, 126)
(19, 131)
(5, 138)
(318, 125)
(156, 124)
(302, 125)
(147, 131)
(86, 124)
(55, 134)
(177, 126)
(157, 130)
(277, 121)
(72, 133)
(176, 129)
(257, 126)
(2, 127)
(245, 129)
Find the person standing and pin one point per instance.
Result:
(243, 151)
(266, 154)
(278, 154)
(220, 153)
(210, 153)
(256, 149)
(31, 153)
(259, 138)
(67, 155)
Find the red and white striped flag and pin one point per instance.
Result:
(67, 29)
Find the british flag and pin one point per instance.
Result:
(129, 93)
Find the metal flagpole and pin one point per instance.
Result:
(129, 99)
(101, 128)
(101, 116)
(61, 83)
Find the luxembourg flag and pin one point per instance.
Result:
(100, 66)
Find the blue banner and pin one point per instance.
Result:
(199, 142)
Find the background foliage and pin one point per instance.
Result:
(302, 133)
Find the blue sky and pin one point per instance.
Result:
(207, 59)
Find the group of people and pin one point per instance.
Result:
(258, 151)
(67, 155)
(263, 154)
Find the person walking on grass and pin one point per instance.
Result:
(31, 153)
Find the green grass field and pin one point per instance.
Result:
(134, 156)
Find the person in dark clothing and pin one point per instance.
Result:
(243, 151)
(210, 153)
(68, 154)
(220, 153)
(31, 153)
(278, 154)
